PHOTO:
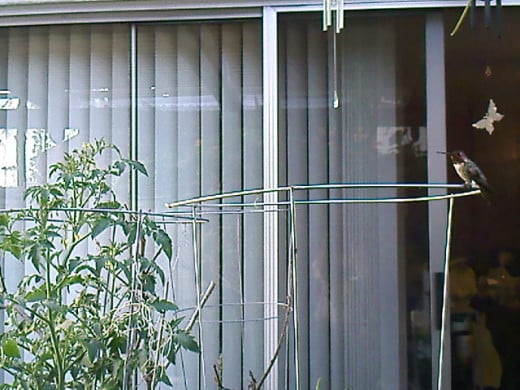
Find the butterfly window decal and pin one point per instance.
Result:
(492, 115)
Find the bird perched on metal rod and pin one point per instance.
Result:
(469, 172)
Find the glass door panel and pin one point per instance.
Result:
(363, 269)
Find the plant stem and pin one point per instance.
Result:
(57, 357)
(48, 283)
(159, 341)
(73, 245)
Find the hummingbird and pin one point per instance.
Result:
(469, 172)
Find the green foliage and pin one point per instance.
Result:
(89, 316)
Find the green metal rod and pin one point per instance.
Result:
(445, 294)
(260, 191)
(204, 199)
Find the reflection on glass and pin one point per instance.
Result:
(8, 160)
(69, 133)
(60, 84)
(32, 106)
(9, 103)
(391, 139)
(37, 142)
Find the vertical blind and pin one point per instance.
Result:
(200, 133)
(59, 87)
(64, 86)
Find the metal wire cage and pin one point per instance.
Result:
(286, 312)
(258, 330)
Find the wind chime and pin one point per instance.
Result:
(333, 13)
(487, 14)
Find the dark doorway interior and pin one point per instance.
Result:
(481, 66)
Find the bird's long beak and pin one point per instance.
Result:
(446, 153)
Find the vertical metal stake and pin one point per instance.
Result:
(133, 287)
(294, 275)
(445, 293)
(196, 270)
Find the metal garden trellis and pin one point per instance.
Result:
(199, 207)
(194, 212)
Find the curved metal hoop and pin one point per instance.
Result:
(203, 206)
(287, 189)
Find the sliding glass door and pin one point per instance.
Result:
(190, 101)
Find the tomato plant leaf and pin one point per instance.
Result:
(187, 341)
(163, 305)
(36, 295)
(10, 348)
(100, 226)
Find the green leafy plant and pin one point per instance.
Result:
(94, 312)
